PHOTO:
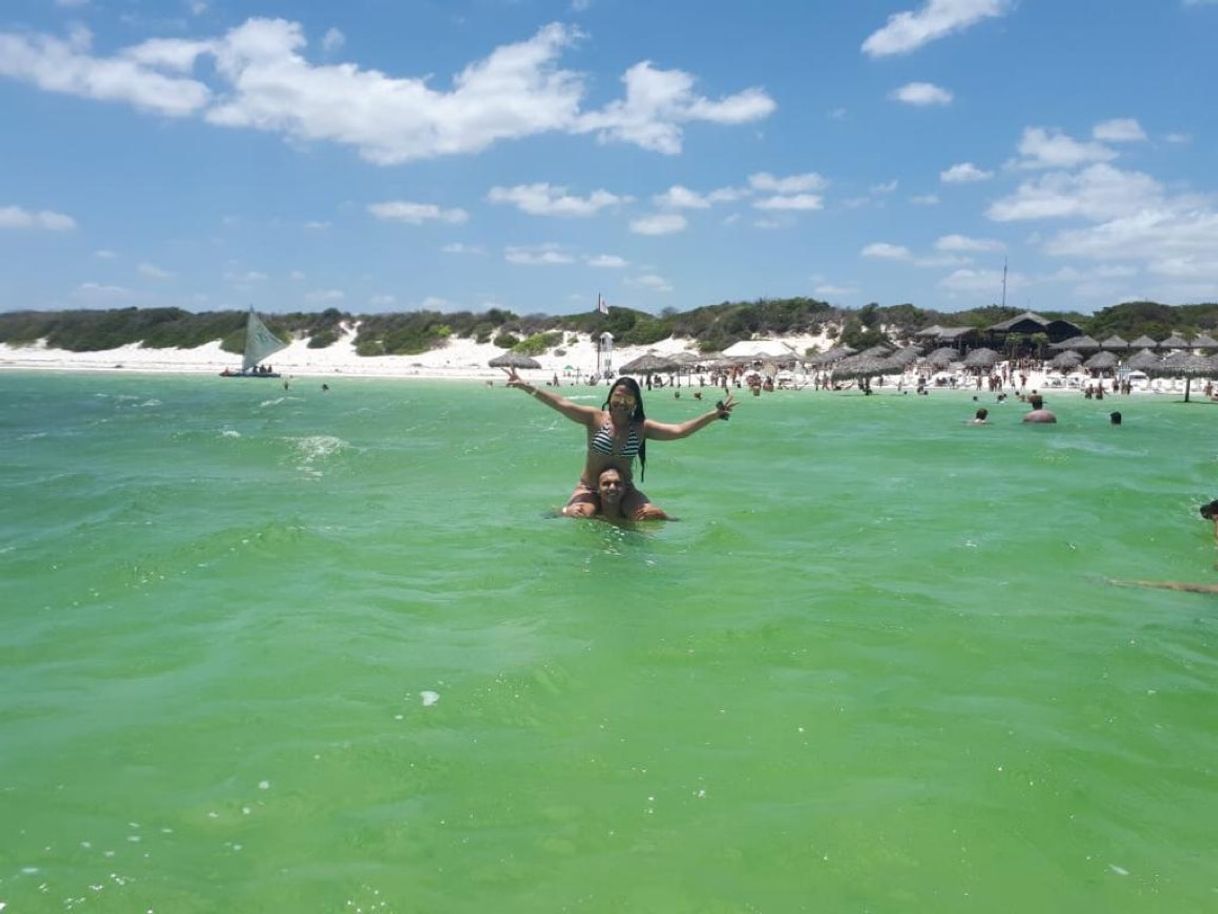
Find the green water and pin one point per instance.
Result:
(876, 666)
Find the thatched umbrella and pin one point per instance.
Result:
(943, 357)
(1144, 342)
(1101, 361)
(1064, 361)
(650, 364)
(862, 366)
(1187, 365)
(903, 358)
(1143, 361)
(879, 351)
(981, 358)
(1203, 341)
(1114, 342)
(1078, 343)
(513, 360)
(1175, 341)
(829, 356)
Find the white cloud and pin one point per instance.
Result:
(546, 200)
(383, 300)
(153, 272)
(435, 303)
(658, 102)
(97, 291)
(261, 80)
(325, 296)
(1043, 148)
(104, 254)
(1179, 137)
(886, 188)
(1179, 243)
(71, 4)
(921, 94)
(56, 65)
(883, 251)
(537, 255)
(458, 247)
(796, 202)
(659, 224)
(1098, 192)
(924, 199)
(981, 282)
(908, 31)
(197, 7)
(333, 40)
(828, 290)
(416, 213)
(296, 276)
(246, 277)
(964, 173)
(1119, 130)
(607, 262)
(964, 244)
(678, 197)
(14, 217)
(792, 184)
(651, 281)
(317, 225)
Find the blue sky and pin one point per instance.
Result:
(391, 155)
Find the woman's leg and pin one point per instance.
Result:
(582, 503)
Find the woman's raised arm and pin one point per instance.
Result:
(665, 431)
(573, 411)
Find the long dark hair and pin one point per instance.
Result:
(632, 386)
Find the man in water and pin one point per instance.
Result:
(1038, 413)
(610, 487)
(982, 417)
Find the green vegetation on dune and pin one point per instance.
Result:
(712, 327)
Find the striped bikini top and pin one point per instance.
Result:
(602, 441)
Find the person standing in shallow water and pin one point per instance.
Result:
(1038, 413)
(616, 434)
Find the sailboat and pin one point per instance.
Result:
(259, 343)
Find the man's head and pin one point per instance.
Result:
(610, 487)
(982, 414)
(1210, 511)
(1036, 401)
(1114, 418)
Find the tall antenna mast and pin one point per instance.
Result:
(1004, 282)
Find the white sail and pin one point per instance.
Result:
(259, 342)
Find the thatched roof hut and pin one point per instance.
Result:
(1143, 361)
(1064, 361)
(1101, 361)
(513, 360)
(650, 364)
(981, 358)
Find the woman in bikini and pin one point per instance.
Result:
(617, 433)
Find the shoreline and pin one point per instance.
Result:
(461, 360)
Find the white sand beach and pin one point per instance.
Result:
(461, 360)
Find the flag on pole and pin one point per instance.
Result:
(601, 305)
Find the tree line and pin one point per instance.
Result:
(712, 327)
